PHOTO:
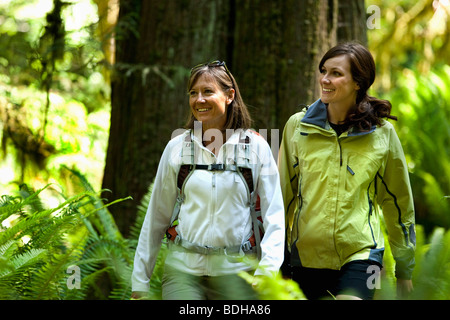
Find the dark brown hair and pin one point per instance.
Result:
(368, 110)
(238, 116)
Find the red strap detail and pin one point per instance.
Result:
(171, 233)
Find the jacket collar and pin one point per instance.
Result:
(237, 136)
(317, 115)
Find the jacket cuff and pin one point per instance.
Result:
(137, 285)
(404, 267)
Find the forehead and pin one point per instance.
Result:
(339, 62)
(205, 79)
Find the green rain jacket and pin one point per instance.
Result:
(336, 190)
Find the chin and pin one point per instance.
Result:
(325, 100)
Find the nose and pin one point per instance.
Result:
(324, 79)
(200, 98)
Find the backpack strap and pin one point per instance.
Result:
(183, 175)
(245, 172)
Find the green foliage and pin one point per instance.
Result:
(274, 287)
(411, 34)
(432, 273)
(38, 245)
(54, 92)
(421, 104)
(431, 276)
(411, 49)
(28, 268)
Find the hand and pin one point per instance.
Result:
(137, 295)
(404, 288)
(256, 281)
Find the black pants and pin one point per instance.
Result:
(354, 278)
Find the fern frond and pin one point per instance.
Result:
(135, 229)
(79, 231)
(22, 261)
(34, 220)
(9, 206)
(13, 205)
(15, 272)
(48, 282)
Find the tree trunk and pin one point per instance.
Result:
(352, 24)
(157, 43)
(278, 46)
(277, 49)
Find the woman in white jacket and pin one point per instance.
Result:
(214, 203)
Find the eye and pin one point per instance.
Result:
(323, 71)
(192, 93)
(336, 73)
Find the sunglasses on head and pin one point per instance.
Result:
(214, 64)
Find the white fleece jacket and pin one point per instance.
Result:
(215, 212)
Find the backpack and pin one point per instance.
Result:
(244, 171)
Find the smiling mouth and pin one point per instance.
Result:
(327, 90)
(203, 109)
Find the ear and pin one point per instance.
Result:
(357, 87)
(230, 96)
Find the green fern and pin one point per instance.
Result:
(56, 238)
(431, 276)
(15, 274)
(105, 251)
(432, 272)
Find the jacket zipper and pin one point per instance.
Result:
(370, 225)
(214, 200)
(340, 149)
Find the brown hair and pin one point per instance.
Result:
(368, 110)
(238, 116)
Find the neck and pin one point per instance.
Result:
(337, 113)
(213, 139)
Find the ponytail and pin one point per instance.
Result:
(369, 112)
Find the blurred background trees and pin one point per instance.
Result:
(412, 53)
(91, 91)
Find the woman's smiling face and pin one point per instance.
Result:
(209, 102)
(338, 86)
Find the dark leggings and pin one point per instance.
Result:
(354, 278)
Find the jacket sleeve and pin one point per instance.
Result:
(272, 212)
(156, 222)
(394, 195)
(288, 167)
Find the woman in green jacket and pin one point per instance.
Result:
(342, 168)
